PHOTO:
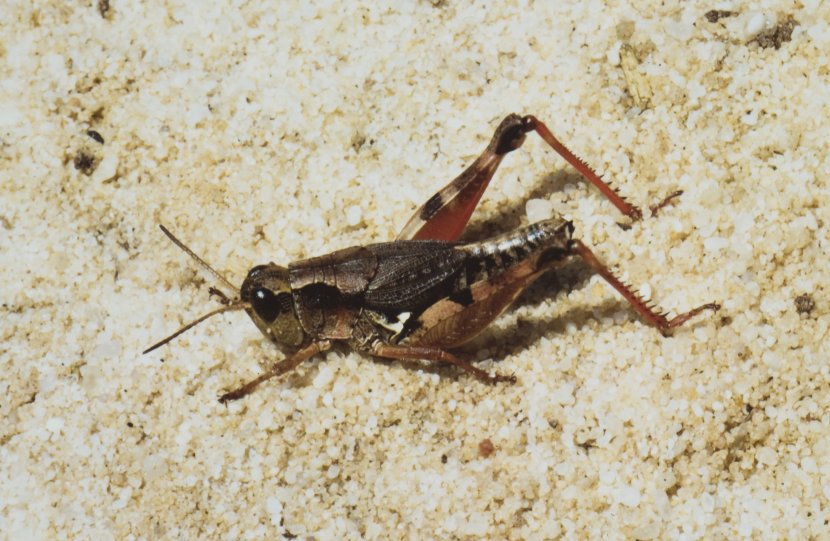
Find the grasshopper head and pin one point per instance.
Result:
(267, 290)
(265, 295)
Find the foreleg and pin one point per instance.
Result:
(278, 369)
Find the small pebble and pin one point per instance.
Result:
(538, 210)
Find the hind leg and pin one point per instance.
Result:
(445, 214)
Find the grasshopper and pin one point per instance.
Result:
(425, 293)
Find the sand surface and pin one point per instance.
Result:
(272, 131)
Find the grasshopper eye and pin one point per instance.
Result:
(266, 305)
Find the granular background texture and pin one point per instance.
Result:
(272, 131)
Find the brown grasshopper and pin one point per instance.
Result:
(425, 293)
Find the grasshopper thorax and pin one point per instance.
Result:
(268, 292)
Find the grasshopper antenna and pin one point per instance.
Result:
(198, 259)
(230, 304)
(229, 308)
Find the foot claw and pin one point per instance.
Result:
(682, 318)
(666, 200)
(227, 397)
(501, 378)
(635, 214)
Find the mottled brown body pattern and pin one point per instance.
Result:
(425, 293)
(420, 292)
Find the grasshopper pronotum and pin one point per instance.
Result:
(424, 293)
